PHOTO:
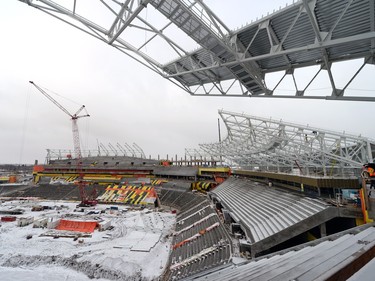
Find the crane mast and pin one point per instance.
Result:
(74, 117)
(76, 142)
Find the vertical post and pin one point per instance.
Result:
(218, 126)
(363, 196)
(323, 230)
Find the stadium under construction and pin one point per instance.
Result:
(232, 219)
(273, 200)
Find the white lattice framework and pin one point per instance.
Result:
(259, 143)
(133, 150)
(212, 60)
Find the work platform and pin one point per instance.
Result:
(301, 183)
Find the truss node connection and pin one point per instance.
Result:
(307, 33)
(256, 143)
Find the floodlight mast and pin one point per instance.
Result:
(76, 140)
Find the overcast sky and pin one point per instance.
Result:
(128, 102)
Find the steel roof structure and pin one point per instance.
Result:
(133, 150)
(274, 145)
(226, 62)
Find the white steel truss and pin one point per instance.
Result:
(226, 62)
(277, 146)
(133, 150)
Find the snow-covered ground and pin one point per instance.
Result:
(136, 248)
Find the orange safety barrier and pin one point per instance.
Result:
(80, 226)
(179, 245)
(12, 179)
(219, 179)
(200, 233)
(38, 168)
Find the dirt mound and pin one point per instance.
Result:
(94, 271)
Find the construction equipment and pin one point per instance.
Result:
(85, 200)
(368, 171)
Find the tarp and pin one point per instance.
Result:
(129, 194)
(80, 226)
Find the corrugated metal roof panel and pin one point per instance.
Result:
(314, 261)
(265, 211)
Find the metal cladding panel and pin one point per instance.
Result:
(246, 37)
(275, 62)
(307, 57)
(341, 51)
(261, 44)
(327, 13)
(301, 34)
(352, 23)
(281, 22)
(318, 260)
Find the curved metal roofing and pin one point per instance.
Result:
(265, 212)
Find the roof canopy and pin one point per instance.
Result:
(226, 62)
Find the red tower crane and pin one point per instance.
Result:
(77, 147)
